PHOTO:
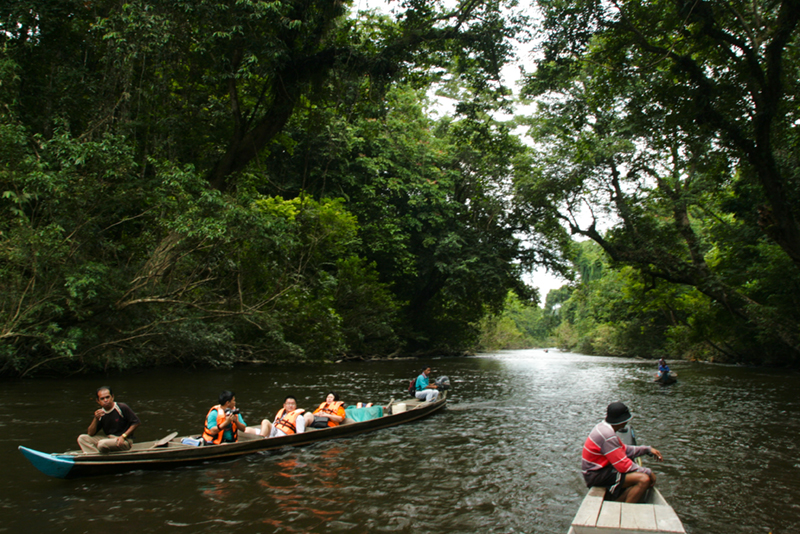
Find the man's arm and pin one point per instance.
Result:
(93, 426)
(634, 451)
(337, 417)
(239, 422)
(127, 433)
(132, 420)
(619, 455)
(212, 423)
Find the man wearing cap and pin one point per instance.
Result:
(607, 461)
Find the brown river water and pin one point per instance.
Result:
(502, 458)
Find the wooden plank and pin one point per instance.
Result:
(667, 520)
(638, 517)
(597, 492)
(610, 515)
(586, 518)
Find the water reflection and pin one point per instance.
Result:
(503, 458)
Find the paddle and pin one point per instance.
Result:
(163, 441)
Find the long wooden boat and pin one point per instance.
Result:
(653, 515)
(171, 451)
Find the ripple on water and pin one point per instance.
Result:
(503, 458)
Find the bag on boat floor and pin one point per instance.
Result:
(363, 414)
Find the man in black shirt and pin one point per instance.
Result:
(115, 419)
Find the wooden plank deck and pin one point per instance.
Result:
(596, 516)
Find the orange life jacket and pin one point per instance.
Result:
(285, 422)
(331, 408)
(217, 439)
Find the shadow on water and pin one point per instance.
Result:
(502, 458)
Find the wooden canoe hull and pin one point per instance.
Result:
(174, 453)
(667, 380)
(651, 516)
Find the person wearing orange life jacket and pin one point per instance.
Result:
(223, 422)
(330, 413)
(289, 419)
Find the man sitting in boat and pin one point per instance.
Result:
(663, 370)
(330, 413)
(224, 422)
(424, 389)
(289, 419)
(116, 420)
(607, 461)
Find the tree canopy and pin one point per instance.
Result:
(213, 182)
(210, 182)
(675, 125)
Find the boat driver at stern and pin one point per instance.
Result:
(425, 391)
(607, 462)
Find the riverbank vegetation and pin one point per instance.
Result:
(207, 183)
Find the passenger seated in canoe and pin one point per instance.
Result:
(663, 370)
(425, 391)
(330, 413)
(607, 462)
(115, 419)
(289, 419)
(224, 422)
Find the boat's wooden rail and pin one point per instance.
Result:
(598, 516)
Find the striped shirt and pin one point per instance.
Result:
(603, 447)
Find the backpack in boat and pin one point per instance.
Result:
(412, 387)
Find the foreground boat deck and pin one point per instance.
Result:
(597, 516)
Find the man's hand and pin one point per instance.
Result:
(99, 413)
(231, 419)
(657, 454)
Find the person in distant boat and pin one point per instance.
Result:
(330, 413)
(224, 422)
(290, 420)
(663, 370)
(607, 462)
(117, 421)
(424, 389)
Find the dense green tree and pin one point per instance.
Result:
(432, 198)
(147, 215)
(213, 83)
(668, 124)
(709, 71)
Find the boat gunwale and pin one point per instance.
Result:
(113, 462)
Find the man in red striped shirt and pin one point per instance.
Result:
(607, 462)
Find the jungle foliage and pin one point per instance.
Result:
(667, 133)
(205, 182)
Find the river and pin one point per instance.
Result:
(502, 458)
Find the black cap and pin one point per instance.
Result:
(617, 414)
